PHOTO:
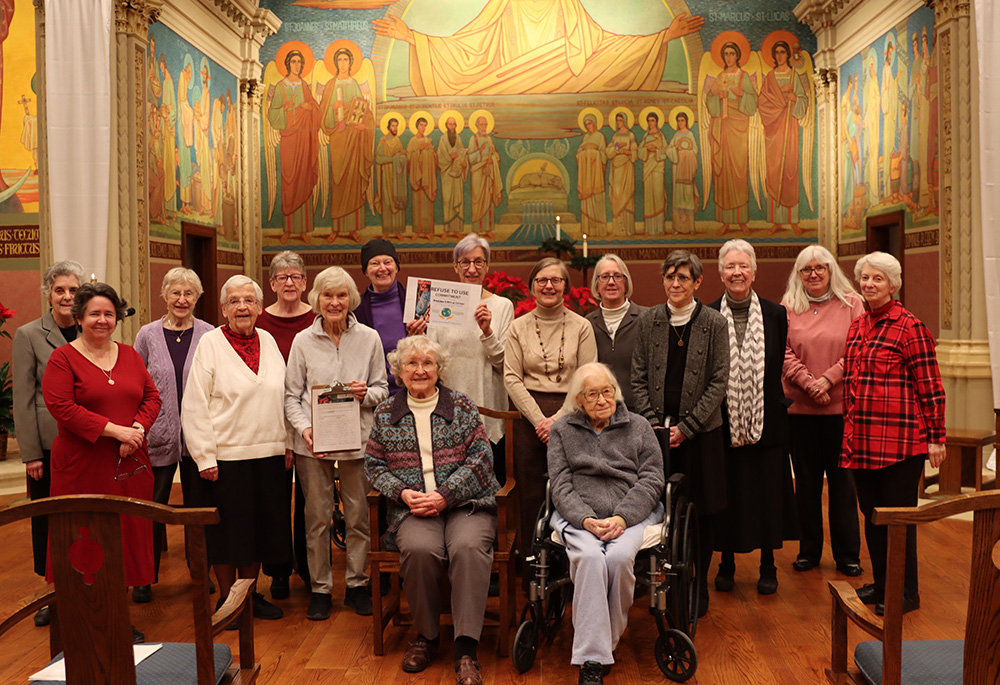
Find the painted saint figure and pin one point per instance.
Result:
(294, 113)
(168, 114)
(918, 75)
(683, 155)
(622, 152)
(185, 115)
(782, 105)
(454, 168)
(203, 143)
(423, 180)
(346, 117)
(731, 101)
(890, 114)
(591, 158)
(653, 152)
(487, 186)
(390, 187)
(872, 110)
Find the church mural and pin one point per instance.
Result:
(631, 122)
(193, 125)
(889, 127)
(18, 110)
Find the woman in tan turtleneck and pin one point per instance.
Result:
(543, 350)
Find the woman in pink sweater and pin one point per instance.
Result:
(821, 305)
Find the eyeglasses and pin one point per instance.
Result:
(136, 466)
(677, 278)
(466, 263)
(176, 294)
(294, 278)
(558, 280)
(237, 301)
(730, 268)
(592, 395)
(413, 365)
(818, 270)
(617, 278)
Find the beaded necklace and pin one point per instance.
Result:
(545, 355)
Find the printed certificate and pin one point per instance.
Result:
(441, 303)
(336, 419)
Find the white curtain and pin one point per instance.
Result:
(78, 93)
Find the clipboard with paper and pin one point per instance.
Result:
(336, 419)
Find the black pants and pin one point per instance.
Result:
(163, 481)
(298, 536)
(37, 489)
(893, 486)
(815, 445)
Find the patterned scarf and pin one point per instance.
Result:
(745, 395)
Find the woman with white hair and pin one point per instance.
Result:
(893, 415)
(35, 428)
(760, 511)
(616, 321)
(429, 456)
(477, 355)
(336, 348)
(606, 479)
(233, 418)
(821, 305)
(167, 346)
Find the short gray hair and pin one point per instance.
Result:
(411, 345)
(331, 278)
(180, 274)
(470, 243)
(570, 405)
(742, 246)
(286, 259)
(884, 262)
(678, 258)
(610, 257)
(238, 281)
(66, 267)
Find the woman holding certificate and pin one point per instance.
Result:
(336, 352)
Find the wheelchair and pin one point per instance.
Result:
(670, 548)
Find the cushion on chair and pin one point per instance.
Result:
(173, 664)
(925, 662)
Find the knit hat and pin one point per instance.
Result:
(375, 247)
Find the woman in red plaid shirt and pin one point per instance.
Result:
(893, 414)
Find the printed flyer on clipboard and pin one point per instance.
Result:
(441, 303)
(336, 418)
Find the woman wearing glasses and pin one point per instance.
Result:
(821, 305)
(544, 348)
(606, 476)
(104, 403)
(616, 321)
(680, 369)
(477, 355)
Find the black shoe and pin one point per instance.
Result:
(850, 570)
(42, 617)
(805, 564)
(910, 603)
(137, 637)
(591, 673)
(264, 610)
(767, 585)
(319, 607)
(867, 594)
(279, 587)
(142, 594)
(359, 599)
(724, 583)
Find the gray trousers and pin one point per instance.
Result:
(604, 579)
(460, 541)
(317, 476)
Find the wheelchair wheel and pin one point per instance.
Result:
(684, 549)
(676, 656)
(525, 646)
(338, 530)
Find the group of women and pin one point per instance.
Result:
(847, 385)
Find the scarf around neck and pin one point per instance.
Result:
(745, 395)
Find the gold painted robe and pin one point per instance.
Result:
(422, 167)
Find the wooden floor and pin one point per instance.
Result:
(746, 638)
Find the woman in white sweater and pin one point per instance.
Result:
(233, 420)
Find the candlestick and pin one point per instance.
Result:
(93, 278)
(585, 245)
(558, 231)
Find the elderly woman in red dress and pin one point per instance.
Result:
(104, 402)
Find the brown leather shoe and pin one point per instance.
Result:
(467, 672)
(419, 656)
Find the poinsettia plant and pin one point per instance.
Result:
(511, 287)
(579, 300)
(6, 391)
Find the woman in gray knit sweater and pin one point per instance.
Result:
(606, 475)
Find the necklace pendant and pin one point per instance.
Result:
(111, 381)
(558, 378)
(680, 342)
(178, 338)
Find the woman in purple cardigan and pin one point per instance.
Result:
(167, 346)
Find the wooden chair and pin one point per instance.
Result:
(385, 557)
(88, 606)
(976, 660)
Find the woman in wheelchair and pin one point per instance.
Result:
(606, 480)
(429, 455)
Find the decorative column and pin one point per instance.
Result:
(45, 254)
(128, 234)
(963, 350)
(251, 97)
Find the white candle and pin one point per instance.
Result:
(558, 231)
(93, 278)
(584, 245)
